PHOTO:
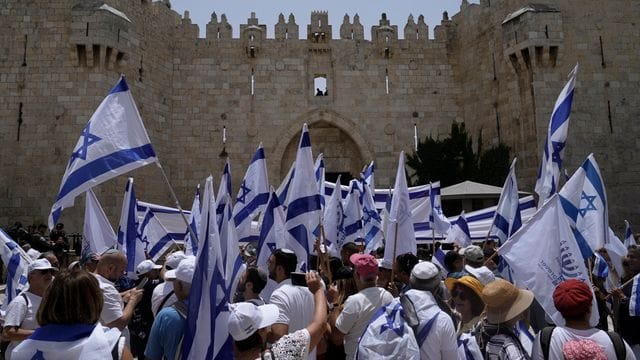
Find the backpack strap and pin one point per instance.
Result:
(164, 301)
(545, 340)
(618, 345)
(26, 299)
(181, 308)
(426, 329)
(409, 313)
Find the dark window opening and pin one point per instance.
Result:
(82, 55)
(96, 55)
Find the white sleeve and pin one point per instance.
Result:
(536, 351)
(16, 312)
(278, 298)
(112, 308)
(348, 317)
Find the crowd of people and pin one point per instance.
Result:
(458, 309)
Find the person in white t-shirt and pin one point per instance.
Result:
(295, 303)
(572, 298)
(359, 308)
(163, 294)
(114, 313)
(20, 320)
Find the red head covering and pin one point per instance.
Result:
(572, 298)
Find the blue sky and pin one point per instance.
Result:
(267, 11)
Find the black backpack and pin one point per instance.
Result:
(616, 339)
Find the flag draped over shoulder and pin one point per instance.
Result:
(334, 220)
(272, 230)
(252, 196)
(191, 244)
(552, 156)
(206, 333)
(459, 232)
(543, 253)
(113, 142)
(584, 200)
(399, 231)
(128, 236)
(507, 219)
(98, 233)
(17, 262)
(303, 209)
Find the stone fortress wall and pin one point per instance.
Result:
(499, 75)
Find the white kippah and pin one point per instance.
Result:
(425, 270)
(287, 251)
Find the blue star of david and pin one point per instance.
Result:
(557, 149)
(590, 204)
(38, 355)
(389, 325)
(367, 215)
(271, 246)
(245, 190)
(88, 140)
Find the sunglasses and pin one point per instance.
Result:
(459, 294)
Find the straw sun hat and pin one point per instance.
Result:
(504, 301)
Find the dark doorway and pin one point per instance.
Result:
(345, 177)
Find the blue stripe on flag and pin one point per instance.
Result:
(502, 224)
(561, 113)
(260, 199)
(160, 245)
(634, 304)
(121, 86)
(594, 178)
(303, 205)
(104, 164)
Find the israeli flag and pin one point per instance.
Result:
(507, 219)
(113, 142)
(97, 231)
(225, 188)
(154, 236)
(549, 172)
(303, 210)
(371, 221)
(459, 233)
(634, 300)
(353, 214)
(272, 230)
(367, 176)
(229, 241)
(206, 334)
(628, 235)
(283, 189)
(526, 335)
(334, 221)
(191, 244)
(17, 263)
(543, 253)
(129, 240)
(600, 267)
(438, 260)
(437, 220)
(252, 196)
(319, 167)
(584, 200)
(399, 234)
(468, 348)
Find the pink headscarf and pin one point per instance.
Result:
(583, 350)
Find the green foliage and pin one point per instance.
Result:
(452, 160)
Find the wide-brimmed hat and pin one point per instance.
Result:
(468, 281)
(504, 301)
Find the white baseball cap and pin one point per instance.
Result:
(482, 273)
(173, 260)
(184, 271)
(146, 266)
(246, 318)
(40, 264)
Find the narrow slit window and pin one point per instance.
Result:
(253, 83)
(386, 80)
(320, 85)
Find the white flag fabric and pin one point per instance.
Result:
(634, 300)
(252, 196)
(353, 214)
(552, 156)
(367, 176)
(628, 235)
(319, 171)
(206, 334)
(232, 260)
(221, 199)
(303, 209)
(97, 231)
(17, 262)
(468, 348)
(543, 253)
(334, 221)
(272, 230)
(154, 237)
(459, 232)
(437, 220)
(62, 342)
(438, 260)
(128, 236)
(191, 244)
(584, 200)
(371, 221)
(399, 232)
(507, 219)
(113, 142)
(283, 189)
(617, 251)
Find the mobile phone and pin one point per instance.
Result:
(298, 279)
(142, 283)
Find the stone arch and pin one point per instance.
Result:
(332, 134)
